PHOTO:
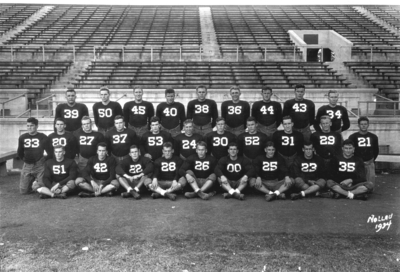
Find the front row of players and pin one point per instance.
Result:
(309, 174)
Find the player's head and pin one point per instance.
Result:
(299, 91)
(86, 124)
(201, 149)
(59, 152)
(70, 95)
(266, 93)
(32, 125)
(167, 150)
(220, 124)
(348, 148)
(138, 93)
(201, 92)
(251, 124)
(134, 152)
(235, 93)
(333, 97)
(104, 94)
(170, 95)
(59, 125)
(269, 149)
(119, 123)
(188, 127)
(326, 123)
(233, 149)
(287, 124)
(102, 150)
(363, 123)
(308, 149)
(155, 124)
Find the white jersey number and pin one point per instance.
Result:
(31, 143)
(135, 169)
(286, 140)
(270, 166)
(186, 144)
(105, 113)
(265, 110)
(333, 114)
(347, 166)
(59, 141)
(202, 166)
(327, 140)
(234, 167)
(167, 167)
(155, 141)
(170, 112)
(220, 141)
(364, 142)
(100, 167)
(308, 167)
(119, 138)
(59, 169)
(138, 110)
(255, 140)
(71, 113)
(234, 110)
(86, 140)
(300, 107)
(201, 109)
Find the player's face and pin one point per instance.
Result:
(70, 96)
(102, 152)
(363, 126)
(201, 151)
(60, 126)
(233, 151)
(252, 126)
(326, 125)
(287, 125)
(87, 125)
(235, 94)
(188, 129)
(119, 124)
(105, 96)
(31, 127)
(270, 151)
(299, 93)
(170, 97)
(155, 127)
(167, 152)
(138, 93)
(348, 151)
(308, 151)
(266, 95)
(333, 99)
(59, 154)
(201, 94)
(221, 126)
(134, 153)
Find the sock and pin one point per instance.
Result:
(271, 193)
(237, 191)
(277, 192)
(136, 189)
(196, 190)
(303, 194)
(231, 191)
(130, 189)
(350, 195)
(39, 190)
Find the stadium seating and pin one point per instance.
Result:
(12, 15)
(387, 13)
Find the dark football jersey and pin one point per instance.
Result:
(202, 168)
(185, 145)
(251, 145)
(87, 142)
(270, 168)
(288, 144)
(104, 114)
(103, 171)
(31, 147)
(129, 167)
(153, 143)
(171, 115)
(350, 168)
(267, 113)
(59, 172)
(302, 112)
(138, 114)
(338, 115)
(67, 140)
(217, 144)
(202, 113)
(118, 143)
(72, 116)
(327, 145)
(234, 169)
(366, 145)
(308, 169)
(167, 169)
(235, 114)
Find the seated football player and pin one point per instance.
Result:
(233, 173)
(199, 172)
(165, 180)
(347, 175)
(98, 177)
(59, 176)
(308, 171)
(272, 176)
(133, 172)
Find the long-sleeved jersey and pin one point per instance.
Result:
(302, 112)
(72, 115)
(217, 144)
(251, 145)
(234, 169)
(129, 167)
(267, 113)
(138, 114)
(270, 168)
(185, 145)
(104, 114)
(338, 114)
(153, 143)
(202, 113)
(288, 144)
(87, 142)
(31, 147)
(103, 171)
(67, 140)
(59, 172)
(366, 145)
(167, 169)
(327, 145)
(202, 168)
(308, 169)
(118, 143)
(235, 114)
(171, 115)
(351, 168)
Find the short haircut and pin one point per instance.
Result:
(70, 90)
(269, 143)
(169, 91)
(363, 118)
(236, 88)
(188, 121)
(137, 88)
(154, 119)
(287, 117)
(59, 120)
(201, 143)
(348, 142)
(219, 119)
(299, 86)
(332, 91)
(103, 144)
(118, 117)
(133, 147)
(233, 144)
(86, 118)
(266, 88)
(167, 145)
(324, 117)
(307, 142)
(201, 87)
(105, 88)
(33, 120)
(59, 146)
(251, 119)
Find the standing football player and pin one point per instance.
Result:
(251, 143)
(235, 112)
(218, 141)
(185, 143)
(63, 138)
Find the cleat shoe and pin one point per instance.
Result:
(241, 197)
(135, 194)
(328, 194)
(60, 196)
(43, 196)
(227, 195)
(203, 195)
(170, 196)
(270, 197)
(336, 196)
(213, 193)
(125, 195)
(156, 195)
(363, 197)
(282, 196)
(238, 196)
(83, 194)
(191, 195)
(109, 194)
(295, 196)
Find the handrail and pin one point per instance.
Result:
(48, 104)
(280, 99)
(388, 99)
(121, 97)
(353, 113)
(24, 113)
(377, 102)
(11, 100)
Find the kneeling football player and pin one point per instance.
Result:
(59, 176)
(166, 181)
(233, 173)
(98, 177)
(272, 174)
(133, 172)
(199, 172)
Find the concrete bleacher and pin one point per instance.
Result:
(386, 13)
(12, 15)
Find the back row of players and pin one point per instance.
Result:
(244, 150)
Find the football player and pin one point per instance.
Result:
(235, 112)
